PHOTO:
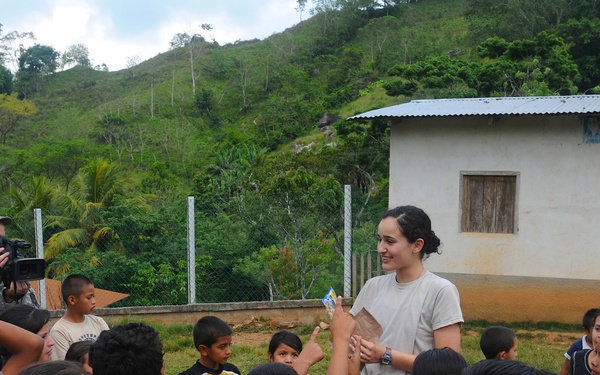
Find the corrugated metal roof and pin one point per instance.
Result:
(532, 105)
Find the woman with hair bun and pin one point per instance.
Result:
(416, 309)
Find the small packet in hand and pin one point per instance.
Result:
(329, 301)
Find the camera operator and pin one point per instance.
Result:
(23, 293)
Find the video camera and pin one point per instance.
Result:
(19, 268)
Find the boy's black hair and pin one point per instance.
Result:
(130, 349)
(439, 361)
(77, 351)
(209, 329)
(273, 368)
(73, 285)
(496, 367)
(589, 319)
(286, 337)
(496, 339)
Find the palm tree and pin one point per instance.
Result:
(38, 193)
(81, 223)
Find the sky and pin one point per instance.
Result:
(115, 31)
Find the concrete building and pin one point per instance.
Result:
(512, 186)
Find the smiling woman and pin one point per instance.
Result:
(416, 309)
(33, 320)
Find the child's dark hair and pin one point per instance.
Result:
(77, 351)
(414, 224)
(286, 337)
(439, 361)
(129, 349)
(273, 368)
(589, 319)
(496, 367)
(54, 368)
(209, 329)
(496, 339)
(73, 285)
(25, 316)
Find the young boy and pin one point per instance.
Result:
(587, 361)
(587, 324)
(498, 342)
(128, 349)
(212, 338)
(77, 324)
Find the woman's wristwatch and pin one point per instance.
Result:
(386, 359)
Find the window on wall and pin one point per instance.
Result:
(489, 202)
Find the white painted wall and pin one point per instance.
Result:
(558, 191)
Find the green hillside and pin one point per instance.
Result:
(110, 157)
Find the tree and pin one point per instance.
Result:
(583, 39)
(35, 193)
(82, 224)
(182, 39)
(12, 113)
(133, 60)
(12, 46)
(76, 54)
(35, 63)
(101, 67)
(6, 80)
(539, 66)
(521, 19)
(304, 210)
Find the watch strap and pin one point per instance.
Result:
(386, 359)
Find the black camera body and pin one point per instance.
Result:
(19, 268)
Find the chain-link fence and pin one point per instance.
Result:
(186, 255)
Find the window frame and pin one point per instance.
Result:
(463, 208)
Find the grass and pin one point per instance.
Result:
(540, 344)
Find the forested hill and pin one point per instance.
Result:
(236, 126)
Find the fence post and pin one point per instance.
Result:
(191, 245)
(39, 248)
(347, 240)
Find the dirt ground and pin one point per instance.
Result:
(252, 338)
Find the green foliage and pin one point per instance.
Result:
(583, 38)
(6, 80)
(35, 63)
(541, 66)
(13, 111)
(76, 54)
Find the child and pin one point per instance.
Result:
(284, 347)
(80, 352)
(33, 320)
(439, 361)
(24, 346)
(77, 324)
(498, 342)
(129, 349)
(587, 361)
(212, 338)
(587, 324)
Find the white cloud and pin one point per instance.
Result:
(112, 34)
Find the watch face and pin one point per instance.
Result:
(387, 357)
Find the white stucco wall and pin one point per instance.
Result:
(558, 193)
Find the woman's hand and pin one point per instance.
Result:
(370, 352)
